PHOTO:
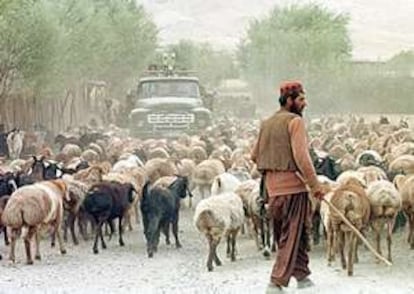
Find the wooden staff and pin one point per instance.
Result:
(351, 226)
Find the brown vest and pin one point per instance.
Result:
(274, 149)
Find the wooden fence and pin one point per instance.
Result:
(72, 109)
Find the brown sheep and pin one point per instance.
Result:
(204, 175)
(71, 150)
(403, 149)
(198, 154)
(407, 197)
(158, 152)
(90, 176)
(34, 205)
(385, 203)
(158, 167)
(186, 167)
(338, 151)
(90, 155)
(77, 192)
(136, 177)
(98, 149)
(403, 163)
(180, 151)
(248, 191)
(350, 199)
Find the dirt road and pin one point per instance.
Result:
(128, 270)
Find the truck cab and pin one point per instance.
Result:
(168, 106)
(235, 99)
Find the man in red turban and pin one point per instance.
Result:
(281, 152)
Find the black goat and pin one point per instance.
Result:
(23, 179)
(325, 165)
(7, 184)
(7, 187)
(50, 170)
(160, 208)
(105, 202)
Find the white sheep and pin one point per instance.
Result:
(127, 161)
(352, 174)
(224, 182)
(241, 173)
(220, 216)
(372, 173)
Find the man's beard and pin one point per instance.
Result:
(295, 109)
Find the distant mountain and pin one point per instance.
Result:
(379, 28)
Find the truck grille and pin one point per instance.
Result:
(170, 118)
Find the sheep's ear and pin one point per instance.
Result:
(34, 158)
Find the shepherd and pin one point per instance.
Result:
(281, 151)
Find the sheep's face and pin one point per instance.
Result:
(180, 186)
(38, 169)
(52, 171)
(7, 186)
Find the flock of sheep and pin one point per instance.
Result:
(94, 179)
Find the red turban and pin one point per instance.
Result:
(290, 87)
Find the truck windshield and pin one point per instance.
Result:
(152, 89)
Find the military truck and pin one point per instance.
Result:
(168, 103)
(234, 99)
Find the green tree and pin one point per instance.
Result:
(49, 46)
(305, 42)
(211, 65)
(402, 62)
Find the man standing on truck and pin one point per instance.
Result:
(281, 152)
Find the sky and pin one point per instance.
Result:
(378, 28)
